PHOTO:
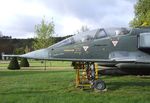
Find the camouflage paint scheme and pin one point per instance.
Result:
(128, 49)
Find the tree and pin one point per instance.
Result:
(44, 32)
(24, 62)
(142, 14)
(19, 51)
(14, 65)
(26, 50)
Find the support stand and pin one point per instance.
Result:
(87, 76)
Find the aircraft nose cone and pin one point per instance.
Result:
(38, 54)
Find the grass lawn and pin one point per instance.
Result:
(56, 85)
(40, 63)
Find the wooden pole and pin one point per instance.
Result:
(45, 65)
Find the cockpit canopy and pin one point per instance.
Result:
(92, 35)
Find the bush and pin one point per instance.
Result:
(24, 63)
(13, 65)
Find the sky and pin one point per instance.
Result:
(19, 17)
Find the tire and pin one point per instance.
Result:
(99, 85)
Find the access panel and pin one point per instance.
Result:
(144, 41)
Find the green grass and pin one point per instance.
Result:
(50, 63)
(58, 87)
(39, 63)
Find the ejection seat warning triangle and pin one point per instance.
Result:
(85, 48)
(115, 42)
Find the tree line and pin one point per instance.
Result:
(20, 46)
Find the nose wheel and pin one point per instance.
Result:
(99, 85)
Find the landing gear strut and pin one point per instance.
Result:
(87, 76)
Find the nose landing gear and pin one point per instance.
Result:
(87, 76)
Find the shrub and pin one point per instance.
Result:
(13, 65)
(24, 63)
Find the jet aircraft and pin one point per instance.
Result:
(127, 49)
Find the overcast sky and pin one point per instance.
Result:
(19, 17)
